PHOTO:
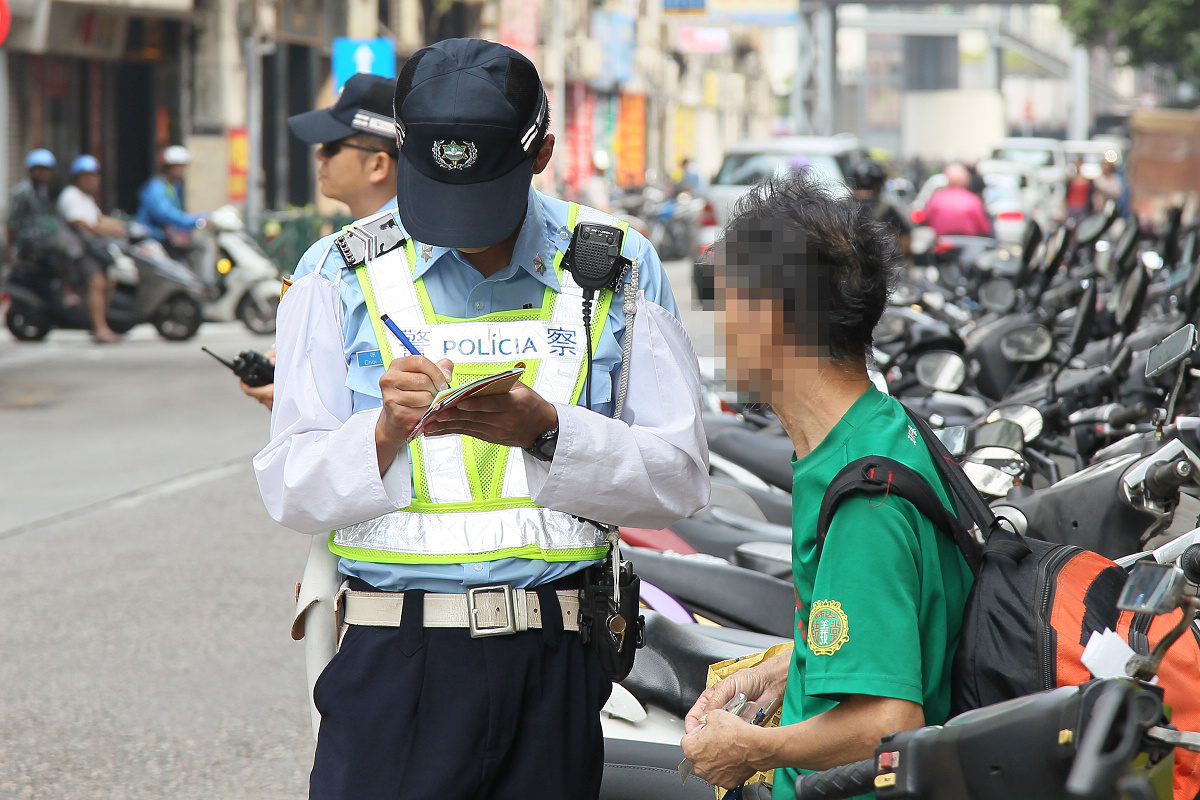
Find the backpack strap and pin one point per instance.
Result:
(876, 475)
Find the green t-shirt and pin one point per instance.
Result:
(880, 613)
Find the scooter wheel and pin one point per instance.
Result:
(27, 324)
(255, 318)
(178, 318)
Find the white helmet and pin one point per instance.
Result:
(601, 160)
(176, 154)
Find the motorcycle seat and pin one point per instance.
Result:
(769, 558)
(720, 539)
(672, 670)
(720, 591)
(767, 455)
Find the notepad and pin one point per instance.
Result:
(499, 383)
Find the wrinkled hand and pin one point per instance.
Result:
(408, 388)
(760, 683)
(513, 419)
(723, 749)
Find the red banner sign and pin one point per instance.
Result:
(239, 163)
(5, 20)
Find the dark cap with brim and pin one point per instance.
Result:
(469, 113)
(365, 106)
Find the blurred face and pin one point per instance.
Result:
(176, 172)
(40, 175)
(88, 182)
(762, 361)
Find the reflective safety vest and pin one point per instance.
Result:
(470, 498)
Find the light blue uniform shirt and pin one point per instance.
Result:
(456, 289)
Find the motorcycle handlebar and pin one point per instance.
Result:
(1165, 479)
(1189, 562)
(838, 783)
(1123, 417)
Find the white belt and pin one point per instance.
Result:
(486, 610)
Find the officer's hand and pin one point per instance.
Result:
(513, 419)
(761, 683)
(724, 749)
(263, 394)
(408, 389)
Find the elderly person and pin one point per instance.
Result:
(955, 210)
(803, 277)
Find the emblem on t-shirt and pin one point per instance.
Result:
(828, 627)
(912, 434)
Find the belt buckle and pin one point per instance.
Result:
(510, 625)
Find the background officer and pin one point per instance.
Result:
(356, 158)
(413, 703)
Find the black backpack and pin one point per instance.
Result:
(1008, 645)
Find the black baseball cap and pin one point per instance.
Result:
(365, 106)
(468, 113)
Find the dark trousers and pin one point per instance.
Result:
(411, 713)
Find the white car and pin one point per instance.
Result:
(830, 158)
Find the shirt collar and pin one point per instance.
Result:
(536, 247)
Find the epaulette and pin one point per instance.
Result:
(369, 239)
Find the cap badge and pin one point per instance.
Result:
(453, 155)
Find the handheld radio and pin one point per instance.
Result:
(594, 260)
(251, 367)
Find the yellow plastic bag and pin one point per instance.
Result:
(723, 669)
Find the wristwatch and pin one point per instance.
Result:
(543, 446)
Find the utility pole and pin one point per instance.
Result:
(1080, 119)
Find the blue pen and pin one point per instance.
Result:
(391, 326)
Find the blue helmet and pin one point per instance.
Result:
(40, 158)
(84, 163)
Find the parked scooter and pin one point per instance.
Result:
(150, 287)
(243, 281)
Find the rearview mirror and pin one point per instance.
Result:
(1132, 300)
(890, 328)
(998, 295)
(954, 438)
(1171, 352)
(1085, 320)
(994, 470)
(941, 370)
(1001, 433)
(1027, 344)
(1028, 417)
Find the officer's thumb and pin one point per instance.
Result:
(447, 368)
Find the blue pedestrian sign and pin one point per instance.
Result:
(352, 56)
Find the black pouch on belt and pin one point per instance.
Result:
(617, 630)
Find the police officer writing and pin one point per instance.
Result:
(803, 276)
(356, 157)
(462, 673)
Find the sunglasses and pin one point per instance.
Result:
(331, 149)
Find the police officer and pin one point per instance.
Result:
(356, 157)
(462, 673)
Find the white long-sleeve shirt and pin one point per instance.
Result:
(320, 472)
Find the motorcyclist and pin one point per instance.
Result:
(955, 210)
(32, 227)
(77, 206)
(869, 179)
(160, 203)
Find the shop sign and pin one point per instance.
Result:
(518, 25)
(630, 144)
(5, 20)
(354, 56)
(703, 40)
(239, 163)
(616, 33)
